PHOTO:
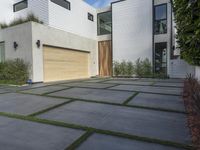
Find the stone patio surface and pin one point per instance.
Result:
(149, 89)
(158, 101)
(148, 123)
(102, 142)
(25, 135)
(95, 94)
(26, 104)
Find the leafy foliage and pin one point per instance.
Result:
(187, 16)
(14, 71)
(30, 17)
(143, 68)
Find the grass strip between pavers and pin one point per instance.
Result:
(80, 140)
(116, 104)
(130, 98)
(50, 108)
(100, 131)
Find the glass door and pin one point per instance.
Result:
(160, 58)
(2, 51)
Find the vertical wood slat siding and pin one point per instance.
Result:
(105, 58)
(64, 64)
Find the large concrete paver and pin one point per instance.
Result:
(26, 104)
(4, 91)
(25, 135)
(90, 85)
(95, 94)
(158, 101)
(162, 80)
(129, 82)
(149, 89)
(106, 142)
(170, 84)
(46, 89)
(146, 123)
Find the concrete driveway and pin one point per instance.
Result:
(95, 114)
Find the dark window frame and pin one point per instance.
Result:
(158, 20)
(98, 22)
(90, 17)
(14, 9)
(69, 4)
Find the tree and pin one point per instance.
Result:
(187, 17)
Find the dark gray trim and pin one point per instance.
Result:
(59, 4)
(153, 39)
(64, 48)
(90, 17)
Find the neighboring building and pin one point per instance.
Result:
(79, 41)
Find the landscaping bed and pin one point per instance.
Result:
(191, 98)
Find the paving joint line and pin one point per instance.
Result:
(130, 98)
(100, 131)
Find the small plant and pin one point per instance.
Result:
(143, 68)
(14, 72)
(124, 68)
(30, 17)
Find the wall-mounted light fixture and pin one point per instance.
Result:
(15, 45)
(38, 43)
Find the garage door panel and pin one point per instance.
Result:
(64, 64)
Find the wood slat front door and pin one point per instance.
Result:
(105, 58)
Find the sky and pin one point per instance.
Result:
(99, 3)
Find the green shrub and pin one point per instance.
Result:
(14, 71)
(143, 68)
(124, 68)
(187, 17)
(30, 17)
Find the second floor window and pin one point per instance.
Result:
(104, 23)
(63, 3)
(90, 17)
(20, 5)
(160, 19)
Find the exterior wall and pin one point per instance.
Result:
(197, 72)
(132, 30)
(54, 37)
(22, 35)
(6, 11)
(74, 20)
(39, 8)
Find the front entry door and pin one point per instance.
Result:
(105, 58)
(161, 58)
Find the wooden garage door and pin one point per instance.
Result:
(65, 64)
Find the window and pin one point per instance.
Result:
(90, 17)
(2, 51)
(160, 58)
(62, 3)
(20, 5)
(160, 19)
(104, 23)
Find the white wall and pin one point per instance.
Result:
(6, 11)
(54, 37)
(39, 8)
(132, 30)
(22, 35)
(74, 20)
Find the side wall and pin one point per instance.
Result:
(132, 30)
(22, 35)
(39, 8)
(75, 20)
(54, 37)
(6, 11)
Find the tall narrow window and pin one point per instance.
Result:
(160, 19)
(2, 51)
(20, 5)
(104, 22)
(63, 3)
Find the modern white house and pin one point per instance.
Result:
(79, 41)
